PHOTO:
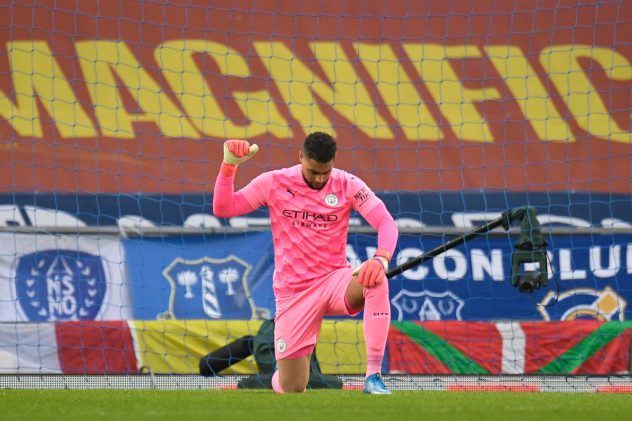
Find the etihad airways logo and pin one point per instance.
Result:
(313, 220)
(309, 216)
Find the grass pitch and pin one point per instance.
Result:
(254, 405)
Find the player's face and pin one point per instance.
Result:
(315, 173)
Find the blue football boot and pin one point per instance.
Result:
(374, 385)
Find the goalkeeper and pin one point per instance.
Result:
(309, 206)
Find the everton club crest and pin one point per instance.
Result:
(59, 285)
(427, 305)
(583, 303)
(209, 288)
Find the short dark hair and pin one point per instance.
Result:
(320, 147)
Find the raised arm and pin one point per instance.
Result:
(226, 202)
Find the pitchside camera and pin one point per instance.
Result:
(530, 251)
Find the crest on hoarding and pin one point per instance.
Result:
(209, 288)
(583, 303)
(427, 305)
(59, 285)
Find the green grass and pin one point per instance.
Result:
(250, 405)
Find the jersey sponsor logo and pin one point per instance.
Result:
(583, 303)
(309, 216)
(209, 288)
(312, 220)
(60, 285)
(281, 346)
(427, 305)
(331, 199)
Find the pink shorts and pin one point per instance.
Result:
(299, 316)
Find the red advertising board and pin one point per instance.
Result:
(138, 96)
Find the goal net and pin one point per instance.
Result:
(112, 120)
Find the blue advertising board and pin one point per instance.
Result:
(589, 277)
(447, 209)
(200, 277)
(230, 277)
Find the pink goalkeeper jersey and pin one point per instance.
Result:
(309, 227)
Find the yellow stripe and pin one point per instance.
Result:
(176, 346)
(340, 348)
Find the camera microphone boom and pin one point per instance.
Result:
(530, 248)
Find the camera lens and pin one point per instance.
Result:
(528, 282)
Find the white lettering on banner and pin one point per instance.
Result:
(567, 273)
(134, 223)
(61, 292)
(441, 267)
(614, 253)
(408, 223)
(454, 265)
(202, 220)
(11, 215)
(247, 222)
(474, 219)
(548, 219)
(417, 273)
(51, 217)
(615, 223)
(483, 265)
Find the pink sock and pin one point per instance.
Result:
(276, 385)
(377, 320)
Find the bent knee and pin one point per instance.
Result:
(296, 389)
(293, 384)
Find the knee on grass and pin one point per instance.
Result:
(294, 385)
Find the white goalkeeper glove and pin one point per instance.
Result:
(238, 151)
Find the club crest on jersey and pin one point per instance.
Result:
(281, 346)
(209, 288)
(60, 285)
(583, 303)
(426, 305)
(331, 199)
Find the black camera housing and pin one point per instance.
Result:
(528, 282)
(530, 248)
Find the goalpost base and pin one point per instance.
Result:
(396, 382)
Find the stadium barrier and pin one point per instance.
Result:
(579, 347)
